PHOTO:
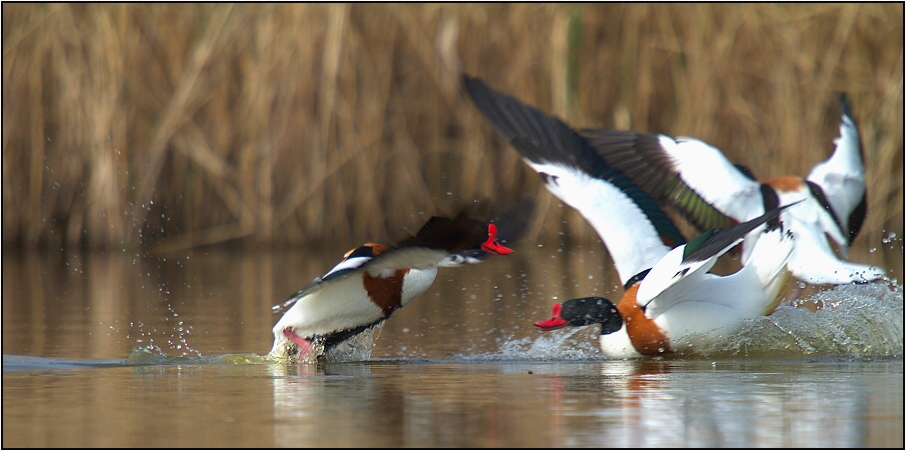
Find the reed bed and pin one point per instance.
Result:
(178, 125)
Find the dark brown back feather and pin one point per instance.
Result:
(452, 235)
(640, 157)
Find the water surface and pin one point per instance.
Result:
(122, 350)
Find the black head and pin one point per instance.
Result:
(460, 235)
(584, 312)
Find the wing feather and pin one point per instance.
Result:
(686, 264)
(641, 157)
(626, 218)
(842, 176)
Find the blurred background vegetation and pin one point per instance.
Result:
(176, 125)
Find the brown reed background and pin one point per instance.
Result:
(176, 125)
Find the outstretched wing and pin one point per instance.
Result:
(688, 263)
(687, 174)
(842, 176)
(626, 218)
(645, 161)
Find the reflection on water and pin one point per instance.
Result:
(454, 403)
(124, 351)
(735, 404)
(607, 404)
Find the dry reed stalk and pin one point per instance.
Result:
(186, 99)
(180, 125)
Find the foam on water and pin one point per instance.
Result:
(357, 348)
(852, 320)
(554, 346)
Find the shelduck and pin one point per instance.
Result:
(698, 181)
(373, 281)
(677, 305)
(670, 302)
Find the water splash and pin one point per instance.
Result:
(176, 338)
(851, 320)
(142, 355)
(556, 346)
(356, 348)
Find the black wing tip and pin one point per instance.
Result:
(771, 215)
(469, 80)
(470, 83)
(857, 218)
(847, 114)
(542, 138)
(478, 89)
(714, 241)
(844, 105)
(460, 233)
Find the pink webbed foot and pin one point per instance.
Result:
(304, 345)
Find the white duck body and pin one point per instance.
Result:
(335, 306)
(373, 282)
(691, 307)
(701, 307)
(694, 308)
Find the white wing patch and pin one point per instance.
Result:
(814, 262)
(631, 239)
(707, 171)
(714, 301)
(842, 176)
(811, 214)
(349, 263)
(672, 280)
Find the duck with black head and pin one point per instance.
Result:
(373, 281)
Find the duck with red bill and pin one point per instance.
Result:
(373, 282)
